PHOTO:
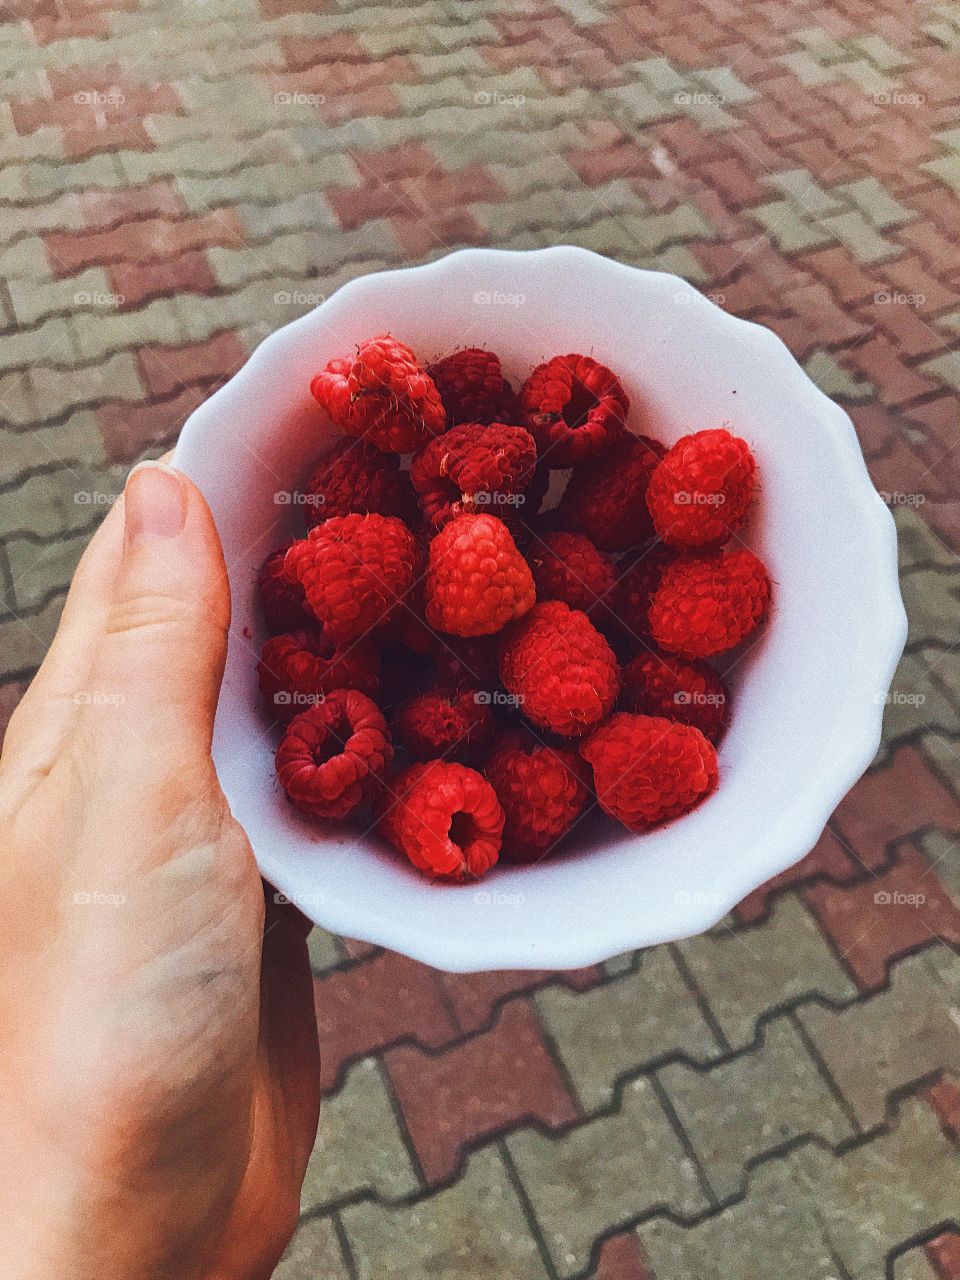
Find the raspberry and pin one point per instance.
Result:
(700, 492)
(683, 689)
(383, 395)
(647, 770)
(445, 817)
(331, 756)
(575, 408)
(568, 567)
(282, 602)
(473, 388)
(296, 670)
(635, 587)
(605, 499)
(466, 661)
(354, 570)
(356, 477)
(706, 604)
(477, 580)
(542, 792)
(452, 723)
(560, 668)
(472, 466)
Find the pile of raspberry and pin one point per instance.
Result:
(503, 609)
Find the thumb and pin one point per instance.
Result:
(156, 675)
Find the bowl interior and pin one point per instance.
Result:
(807, 696)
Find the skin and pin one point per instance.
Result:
(158, 1050)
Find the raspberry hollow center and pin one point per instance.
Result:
(580, 405)
(462, 829)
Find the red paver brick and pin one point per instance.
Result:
(873, 922)
(46, 30)
(408, 160)
(166, 369)
(826, 860)
(309, 51)
(427, 196)
(128, 429)
(489, 1083)
(877, 812)
(138, 282)
(103, 209)
(448, 229)
(144, 240)
(621, 1258)
(944, 1097)
(474, 996)
(120, 135)
(376, 1002)
(944, 1255)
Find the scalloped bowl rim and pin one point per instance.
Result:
(843, 766)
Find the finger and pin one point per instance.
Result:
(155, 678)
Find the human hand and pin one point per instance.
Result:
(159, 1070)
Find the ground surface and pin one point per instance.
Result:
(180, 178)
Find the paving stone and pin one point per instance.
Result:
(471, 1231)
(359, 1147)
(490, 1083)
(24, 639)
(834, 380)
(739, 1110)
(325, 949)
(604, 1034)
(914, 1265)
(944, 1254)
(872, 817)
(377, 1002)
(605, 1172)
(475, 997)
(41, 570)
(872, 923)
(888, 1041)
(942, 852)
(313, 1252)
(744, 972)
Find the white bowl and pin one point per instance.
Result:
(808, 697)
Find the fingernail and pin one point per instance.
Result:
(154, 502)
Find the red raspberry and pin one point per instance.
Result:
(706, 604)
(473, 467)
(354, 569)
(568, 567)
(542, 791)
(448, 723)
(383, 395)
(575, 408)
(282, 602)
(445, 817)
(647, 770)
(638, 580)
(473, 388)
(684, 689)
(356, 477)
(606, 499)
(466, 661)
(477, 580)
(296, 670)
(332, 755)
(559, 667)
(700, 493)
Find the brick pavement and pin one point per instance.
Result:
(179, 178)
